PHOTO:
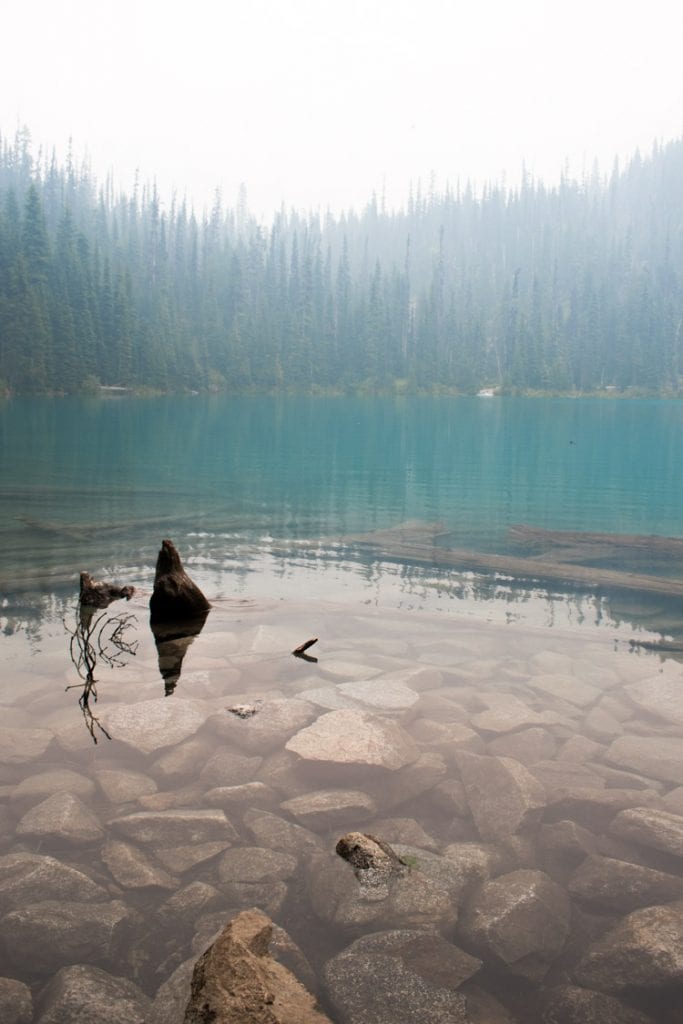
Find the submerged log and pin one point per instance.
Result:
(176, 597)
(99, 594)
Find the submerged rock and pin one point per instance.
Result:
(399, 977)
(175, 597)
(645, 949)
(62, 818)
(328, 808)
(89, 994)
(35, 788)
(16, 1003)
(32, 878)
(659, 756)
(176, 828)
(503, 796)
(132, 869)
(658, 830)
(151, 725)
(621, 886)
(238, 980)
(521, 919)
(569, 1004)
(350, 737)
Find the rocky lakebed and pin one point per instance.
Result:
(510, 801)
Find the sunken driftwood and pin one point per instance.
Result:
(99, 594)
(175, 597)
(302, 648)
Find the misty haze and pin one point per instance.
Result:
(341, 477)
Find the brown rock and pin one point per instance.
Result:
(237, 980)
(658, 830)
(503, 796)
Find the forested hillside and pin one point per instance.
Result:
(572, 289)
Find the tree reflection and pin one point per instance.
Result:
(172, 640)
(97, 637)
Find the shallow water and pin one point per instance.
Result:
(270, 487)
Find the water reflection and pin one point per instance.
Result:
(172, 640)
(97, 637)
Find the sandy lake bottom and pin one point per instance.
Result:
(529, 779)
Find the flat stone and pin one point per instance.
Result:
(355, 738)
(561, 775)
(565, 838)
(673, 801)
(255, 864)
(569, 1004)
(595, 808)
(92, 996)
(350, 671)
(616, 885)
(177, 764)
(446, 737)
(151, 725)
(580, 749)
(179, 859)
(48, 935)
(327, 697)
(278, 834)
(521, 918)
(182, 909)
(565, 687)
(176, 828)
(503, 796)
(403, 830)
(16, 1002)
(229, 768)
(505, 713)
(268, 730)
(476, 861)
(132, 869)
(526, 746)
(644, 949)
(381, 694)
(399, 977)
(330, 808)
(36, 788)
(407, 783)
(61, 818)
(237, 798)
(33, 878)
(19, 746)
(659, 756)
(658, 830)
(659, 695)
(121, 787)
(601, 725)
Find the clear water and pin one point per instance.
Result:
(265, 499)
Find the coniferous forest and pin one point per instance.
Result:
(572, 289)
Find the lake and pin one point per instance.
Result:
(489, 580)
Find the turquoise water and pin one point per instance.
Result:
(242, 484)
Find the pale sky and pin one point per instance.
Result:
(319, 102)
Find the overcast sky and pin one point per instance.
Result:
(320, 102)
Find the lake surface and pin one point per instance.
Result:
(298, 517)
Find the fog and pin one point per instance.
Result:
(317, 104)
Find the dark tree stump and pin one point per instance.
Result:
(175, 598)
(98, 594)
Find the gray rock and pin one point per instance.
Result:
(659, 756)
(179, 859)
(19, 746)
(565, 687)
(407, 783)
(36, 788)
(61, 818)
(151, 725)
(521, 919)
(89, 995)
(267, 897)
(568, 1004)
(16, 1003)
(229, 768)
(238, 980)
(170, 1001)
(477, 862)
(181, 762)
(502, 795)
(381, 694)
(579, 749)
(562, 775)
(132, 869)
(405, 897)
(659, 695)
(617, 778)
(658, 830)
(33, 878)
(645, 950)
(399, 977)
(238, 798)
(527, 746)
(355, 738)
(182, 909)
(121, 787)
(330, 808)
(673, 801)
(255, 864)
(505, 713)
(567, 839)
(600, 725)
(48, 935)
(269, 729)
(594, 808)
(277, 834)
(446, 737)
(403, 830)
(620, 886)
(176, 828)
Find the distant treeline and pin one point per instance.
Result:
(574, 288)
